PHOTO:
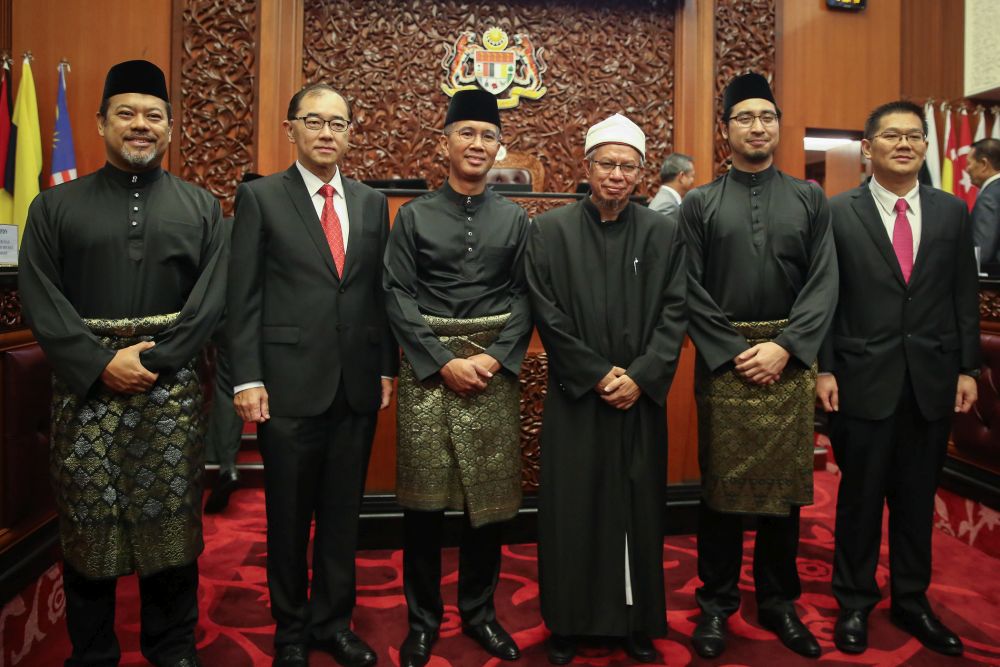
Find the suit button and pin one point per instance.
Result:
(337, 328)
(342, 290)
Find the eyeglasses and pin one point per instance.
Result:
(467, 136)
(894, 137)
(315, 123)
(629, 169)
(746, 119)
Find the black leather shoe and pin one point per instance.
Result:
(709, 638)
(931, 632)
(561, 649)
(188, 661)
(791, 632)
(494, 640)
(850, 634)
(224, 487)
(291, 655)
(416, 648)
(640, 647)
(348, 649)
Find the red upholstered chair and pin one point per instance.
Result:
(976, 435)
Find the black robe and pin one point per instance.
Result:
(603, 295)
(760, 248)
(118, 245)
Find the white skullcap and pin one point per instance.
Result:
(616, 129)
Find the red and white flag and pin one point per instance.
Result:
(964, 189)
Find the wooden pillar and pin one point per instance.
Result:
(694, 108)
(280, 76)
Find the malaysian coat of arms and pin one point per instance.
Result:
(508, 70)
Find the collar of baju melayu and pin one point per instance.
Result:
(594, 213)
(469, 202)
(753, 177)
(129, 179)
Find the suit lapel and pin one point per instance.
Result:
(354, 223)
(865, 207)
(930, 228)
(307, 215)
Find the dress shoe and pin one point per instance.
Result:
(561, 648)
(850, 634)
(348, 649)
(931, 632)
(187, 661)
(640, 647)
(291, 655)
(709, 638)
(791, 632)
(223, 488)
(416, 648)
(494, 640)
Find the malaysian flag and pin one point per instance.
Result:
(63, 155)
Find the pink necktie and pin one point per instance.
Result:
(331, 228)
(902, 240)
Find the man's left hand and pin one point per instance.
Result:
(621, 393)
(966, 393)
(484, 360)
(386, 393)
(763, 363)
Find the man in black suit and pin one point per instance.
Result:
(983, 168)
(313, 360)
(901, 357)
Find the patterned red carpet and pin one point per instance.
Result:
(236, 628)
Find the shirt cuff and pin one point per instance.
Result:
(247, 385)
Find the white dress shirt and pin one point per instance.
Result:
(885, 202)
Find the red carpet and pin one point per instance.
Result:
(236, 628)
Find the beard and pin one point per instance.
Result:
(608, 204)
(138, 159)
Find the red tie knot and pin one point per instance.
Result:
(327, 191)
(901, 206)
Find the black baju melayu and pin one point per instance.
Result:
(605, 294)
(108, 260)
(762, 266)
(455, 287)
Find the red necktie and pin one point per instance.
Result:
(902, 240)
(331, 228)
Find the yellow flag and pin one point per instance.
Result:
(28, 155)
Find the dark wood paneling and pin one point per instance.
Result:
(601, 57)
(933, 53)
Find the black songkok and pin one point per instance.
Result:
(136, 76)
(746, 87)
(474, 104)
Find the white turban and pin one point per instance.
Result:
(616, 129)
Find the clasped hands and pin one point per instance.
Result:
(762, 364)
(468, 377)
(125, 373)
(617, 389)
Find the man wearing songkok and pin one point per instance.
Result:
(607, 281)
(762, 280)
(122, 276)
(458, 305)
(901, 357)
(312, 363)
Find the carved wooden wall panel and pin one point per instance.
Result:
(217, 75)
(534, 376)
(10, 308)
(744, 42)
(989, 304)
(601, 58)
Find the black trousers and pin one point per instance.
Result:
(478, 570)
(225, 428)
(168, 616)
(895, 461)
(314, 466)
(720, 560)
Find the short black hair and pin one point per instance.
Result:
(315, 89)
(103, 110)
(897, 106)
(989, 149)
(674, 165)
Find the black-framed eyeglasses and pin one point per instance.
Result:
(746, 119)
(629, 169)
(316, 123)
(894, 137)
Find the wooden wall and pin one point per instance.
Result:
(92, 36)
